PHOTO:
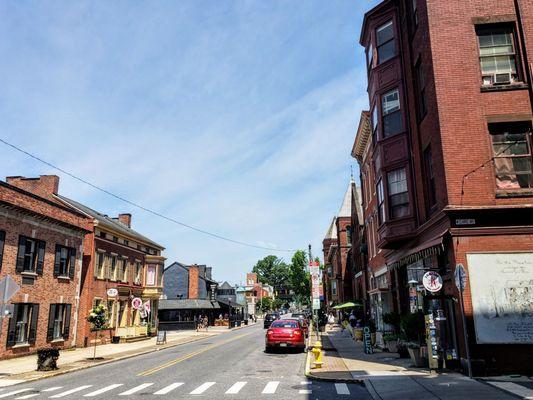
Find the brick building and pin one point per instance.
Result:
(114, 257)
(41, 247)
(339, 269)
(119, 265)
(446, 154)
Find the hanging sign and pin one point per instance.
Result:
(147, 306)
(432, 281)
(136, 303)
(460, 277)
(112, 292)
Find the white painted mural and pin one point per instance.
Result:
(502, 297)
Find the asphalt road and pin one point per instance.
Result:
(231, 365)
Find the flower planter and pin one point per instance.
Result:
(392, 346)
(47, 359)
(418, 356)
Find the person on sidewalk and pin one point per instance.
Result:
(331, 321)
(352, 320)
(206, 323)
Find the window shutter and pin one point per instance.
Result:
(66, 322)
(57, 261)
(33, 325)
(12, 326)
(20, 255)
(72, 263)
(107, 267)
(40, 257)
(51, 316)
(2, 240)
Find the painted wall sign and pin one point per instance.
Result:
(501, 287)
(112, 292)
(136, 303)
(432, 281)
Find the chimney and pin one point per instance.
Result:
(44, 186)
(193, 281)
(125, 219)
(251, 278)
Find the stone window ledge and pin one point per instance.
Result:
(514, 193)
(21, 346)
(499, 88)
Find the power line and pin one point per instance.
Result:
(170, 219)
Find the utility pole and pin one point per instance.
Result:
(315, 312)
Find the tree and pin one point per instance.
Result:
(300, 278)
(273, 271)
(98, 320)
(265, 304)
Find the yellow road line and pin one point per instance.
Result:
(190, 355)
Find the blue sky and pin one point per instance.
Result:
(237, 117)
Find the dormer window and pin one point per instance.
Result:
(385, 45)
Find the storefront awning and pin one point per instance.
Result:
(413, 254)
(188, 304)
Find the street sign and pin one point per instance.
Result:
(136, 303)
(316, 304)
(8, 288)
(432, 281)
(314, 267)
(112, 292)
(460, 277)
(147, 307)
(315, 292)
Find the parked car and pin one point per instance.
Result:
(303, 321)
(269, 318)
(285, 333)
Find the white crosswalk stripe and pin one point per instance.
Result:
(103, 390)
(169, 388)
(236, 388)
(305, 391)
(342, 388)
(52, 389)
(202, 388)
(63, 394)
(28, 396)
(135, 389)
(15, 392)
(271, 387)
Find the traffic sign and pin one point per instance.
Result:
(460, 277)
(432, 281)
(316, 304)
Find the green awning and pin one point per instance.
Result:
(347, 305)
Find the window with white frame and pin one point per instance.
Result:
(397, 193)
(391, 114)
(497, 55)
(385, 43)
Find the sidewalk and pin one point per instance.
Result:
(22, 369)
(388, 377)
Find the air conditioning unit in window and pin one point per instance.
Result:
(502, 79)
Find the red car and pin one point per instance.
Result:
(285, 333)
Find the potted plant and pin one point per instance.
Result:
(391, 342)
(413, 326)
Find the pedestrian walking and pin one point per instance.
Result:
(352, 320)
(206, 323)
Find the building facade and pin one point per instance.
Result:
(447, 169)
(41, 248)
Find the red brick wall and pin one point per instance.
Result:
(46, 289)
(45, 186)
(193, 282)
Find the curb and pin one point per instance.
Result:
(103, 362)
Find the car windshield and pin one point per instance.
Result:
(284, 324)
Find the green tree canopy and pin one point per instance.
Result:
(272, 271)
(299, 277)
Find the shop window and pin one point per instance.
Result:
(430, 178)
(2, 242)
(512, 149)
(398, 194)
(385, 45)
(497, 55)
(381, 202)
(59, 322)
(65, 262)
(30, 257)
(391, 113)
(22, 328)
